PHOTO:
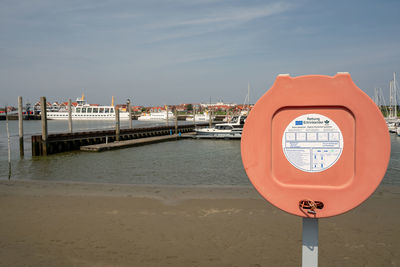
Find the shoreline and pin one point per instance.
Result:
(83, 224)
(72, 188)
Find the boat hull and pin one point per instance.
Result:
(157, 116)
(86, 117)
(207, 133)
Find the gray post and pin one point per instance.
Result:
(9, 145)
(70, 115)
(43, 113)
(194, 117)
(210, 122)
(130, 114)
(176, 122)
(166, 107)
(310, 242)
(21, 127)
(117, 124)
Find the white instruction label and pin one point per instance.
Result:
(312, 143)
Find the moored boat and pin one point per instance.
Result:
(200, 117)
(229, 130)
(84, 111)
(157, 116)
(393, 125)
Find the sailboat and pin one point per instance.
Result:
(392, 120)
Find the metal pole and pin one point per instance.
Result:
(70, 115)
(43, 112)
(130, 115)
(117, 124)
(21, 127)
(310, 242)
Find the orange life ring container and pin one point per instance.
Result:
(315, 146)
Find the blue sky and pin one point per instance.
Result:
(182, 51)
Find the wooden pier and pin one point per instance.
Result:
(129, 143)
(57, 143)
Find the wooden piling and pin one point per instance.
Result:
(166, 107)
(70, 115)
(176, 121)
(130, 114)
(194, 117)
(21, 127)
(43, 113)
(9, 144)
(210, 121)
(117, 124)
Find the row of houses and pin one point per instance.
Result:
(188, 108)
(185, 108)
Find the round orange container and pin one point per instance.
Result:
(315, 146)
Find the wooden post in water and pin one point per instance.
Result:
(9, 145)
(166, 108)
(130, 114)
(176, 121)
(43, 112)
(70, 115)
(21, 127)
(194, 117)
(117, 124)
(210, 121)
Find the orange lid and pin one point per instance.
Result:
(315, 146)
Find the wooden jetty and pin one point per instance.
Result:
(57, 143)
(128, 143)
(14, 117)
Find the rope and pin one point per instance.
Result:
(308, 204)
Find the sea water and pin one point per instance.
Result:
(184, 162)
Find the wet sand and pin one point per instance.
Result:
(78, 224)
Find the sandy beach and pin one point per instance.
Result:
(78, 224)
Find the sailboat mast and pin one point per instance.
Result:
(391, 100)
(395, 94)
(248, 96)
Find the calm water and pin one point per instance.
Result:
(186, 162)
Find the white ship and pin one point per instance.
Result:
(157, 116)
(232, 129)
(84, 111)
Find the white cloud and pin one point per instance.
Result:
(226, 15)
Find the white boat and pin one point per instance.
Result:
(200, 117)
(84, 111)
(232, 129)
(392, 121)
(392, 127)
(393, 124)
(157, 116)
